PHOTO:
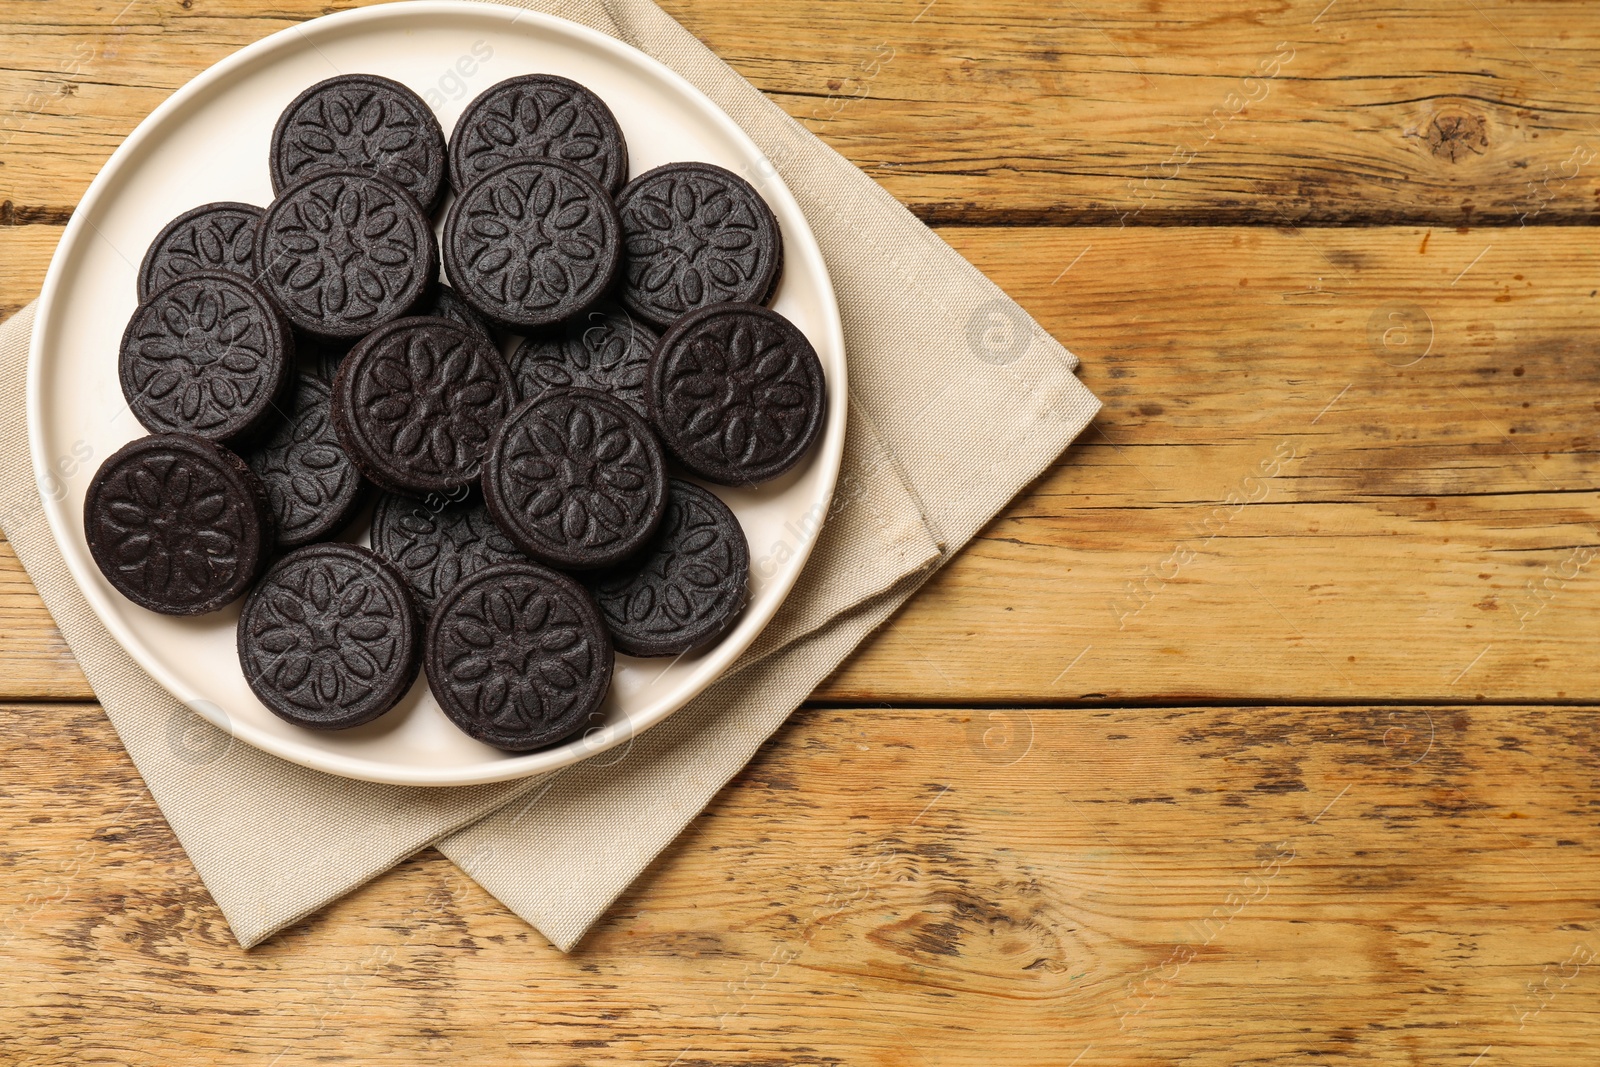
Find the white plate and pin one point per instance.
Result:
(209, 142)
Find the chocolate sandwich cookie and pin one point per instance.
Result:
(576, 479)
(736, 393)
(361, 122)
(177, 524)
(313, 487)
(446, 303)
(219, 237)
(206, 355)
(416, 403)
(695, 234)
(518, 657)
(330, 638)
(687, 588)
(538, 116)
(342, 253)
(532, 243)
(436, 542)
(606, 350)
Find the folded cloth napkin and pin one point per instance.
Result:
(958, 400)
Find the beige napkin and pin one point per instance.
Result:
(958, 400)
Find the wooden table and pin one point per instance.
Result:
(1260, 729)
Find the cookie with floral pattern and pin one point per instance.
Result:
(436, 541)
(538, 116)
(207, 355)
(687, 588)
(737, 393)
(532, 243)
(330, 638)
(576, 479)
(364, 123)
(606, 349)
(177, 524)
(220, 236)
(416, 403)
(342, 252)
(518, 657)
(312, 484)
(695, 234)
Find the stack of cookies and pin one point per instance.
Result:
(527, 435)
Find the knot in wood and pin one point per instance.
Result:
(1453, 135)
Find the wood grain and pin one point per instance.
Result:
(1260, 729)
(1008, 111)
(1276, 502)
(903, 887)
(1350, 529)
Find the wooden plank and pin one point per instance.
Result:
(1407, 532)
(25, 253)
(38, 663)
(885, 887)
(1007, 111)
(1333, 464)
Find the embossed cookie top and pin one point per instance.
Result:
(605, 349)
(695, 234)
(330, 637)
(218, 237)
(687, 588)
(576, 479)
(311, 483)
(365, 123)
(737, 393)
(177, 524)
(342, 253)
(518, 657)
(538, 116)
(416, 403)
(435, 542)
(206, 355)
(531, 243)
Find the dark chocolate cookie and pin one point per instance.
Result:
(576, 480)
(532, 243)
(606, 350)
(342, 253)
(518, 657)
(417, 402)
(538, 116)
(361, 122)
(435, 542)
(320, 357)
(314, 488)
(206, 355)
(685, 590)
(219, 236)
(695, 234)
(446, 303)
(177, 524)
(737, 393)
(330, 638)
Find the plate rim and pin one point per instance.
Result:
(830, 446)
